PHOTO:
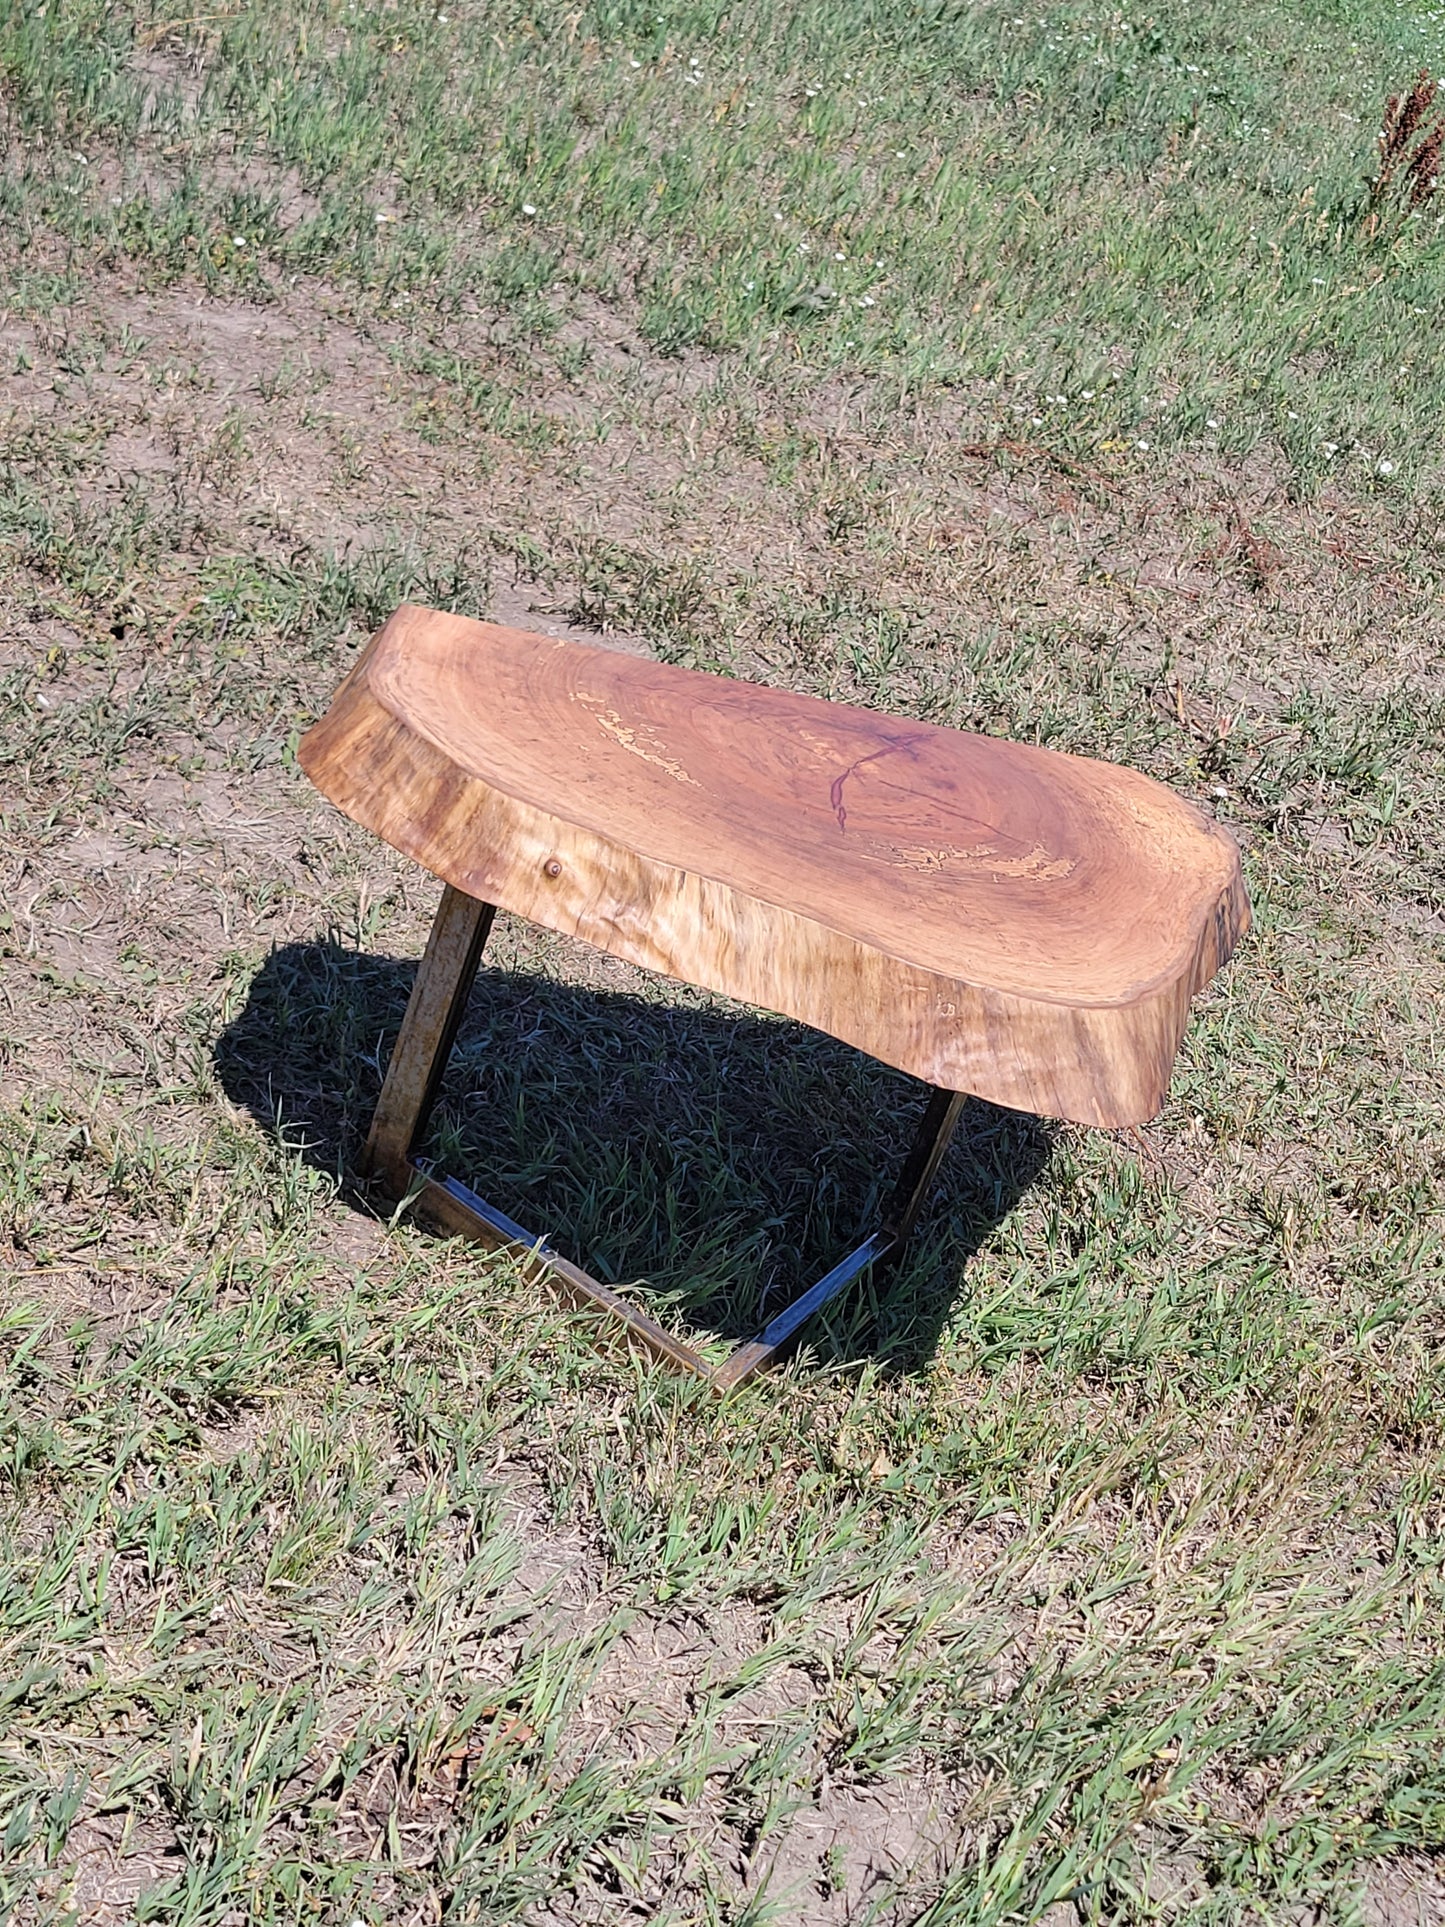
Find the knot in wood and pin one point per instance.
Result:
(553, 867)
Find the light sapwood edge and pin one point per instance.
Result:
(1099, 1065)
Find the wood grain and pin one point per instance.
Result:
(990, 916)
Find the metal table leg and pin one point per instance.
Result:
(408, 1093)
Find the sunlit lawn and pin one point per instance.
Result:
(1037, 372)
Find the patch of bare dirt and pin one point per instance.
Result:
(1408, 1892)
(843, 1854)
(111, 1861)
(336, 439)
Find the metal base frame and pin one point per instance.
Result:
(413, 1078)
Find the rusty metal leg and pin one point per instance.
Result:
(428, 1031)
(413, 1077)
(920, 1167)
(885, 1244)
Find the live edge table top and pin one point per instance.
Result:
(987, 915)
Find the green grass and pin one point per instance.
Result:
(1093, 1568)
(1162, 212)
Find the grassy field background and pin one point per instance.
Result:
(1029, 370)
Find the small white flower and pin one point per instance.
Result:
(1387, 468)
(811, 92)
(527, 208)
(1211, 423)
(1331, 448)
(115, 200)
(634, 63)
(694, 62)
(1219, 790)
(869, 302)
(442, 19)
(805, 247)
(693, 80)
(1036, 421)
(1087, 393)
(1317, 280)
(748, 286)
(838, 255)
(238, 240)
(777, 217)
(1292, 415)
(1143, 445)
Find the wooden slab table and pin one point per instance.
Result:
(992, 917)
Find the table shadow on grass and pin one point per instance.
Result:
(713, 1160)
